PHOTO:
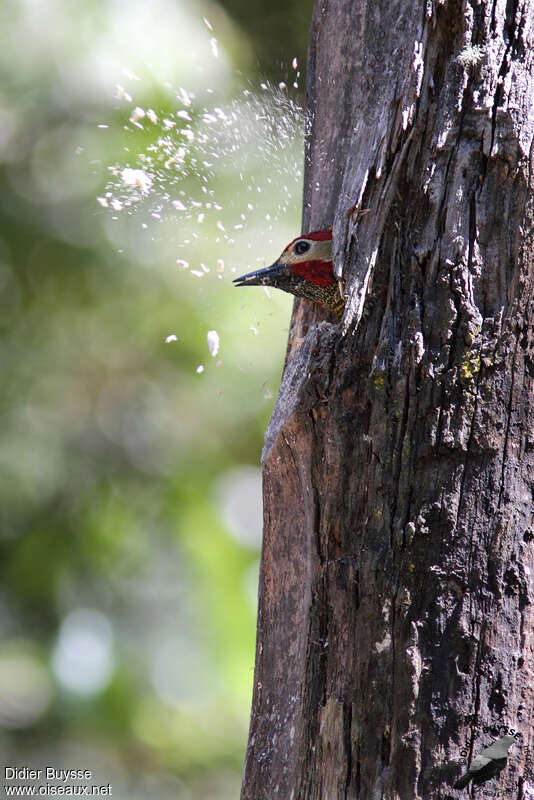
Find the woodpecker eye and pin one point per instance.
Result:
(301, 247)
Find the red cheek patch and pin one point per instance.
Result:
(317, 272)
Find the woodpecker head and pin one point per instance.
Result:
(304, 269)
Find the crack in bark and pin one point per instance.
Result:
(507, 427)
(347, 728)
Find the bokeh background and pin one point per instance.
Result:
(149, 152)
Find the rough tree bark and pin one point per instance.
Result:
(396, 617)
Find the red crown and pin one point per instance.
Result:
(317, 236)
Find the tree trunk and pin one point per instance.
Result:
(396, 617)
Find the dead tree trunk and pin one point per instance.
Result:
(396, 618)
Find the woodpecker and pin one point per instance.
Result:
(304, 269)
(488, 763)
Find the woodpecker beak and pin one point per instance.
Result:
(263, 277)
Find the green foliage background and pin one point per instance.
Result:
(129, 488)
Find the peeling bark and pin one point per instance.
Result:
(396, 617)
